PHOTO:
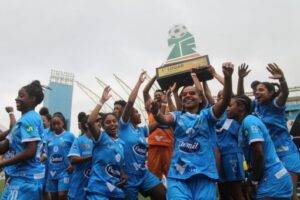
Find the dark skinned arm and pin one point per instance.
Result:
(258, 160)
(160, 117)
(78, 159)
(169, 100)
(177, 99)
(242, 72)
(277, 73)
(132, 97)
(4, 146)
(94, 115)
(146, 90)
(220, 106)
(12, 118)
(208, 94)
(28, 153)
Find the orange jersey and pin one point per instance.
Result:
(162, 136)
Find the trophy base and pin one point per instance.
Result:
(184, 79)
(180, 72)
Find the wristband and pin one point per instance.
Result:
(11, 113)
(100, 104)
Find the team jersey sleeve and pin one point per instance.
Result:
(100, 139)
(75, 149)
(210, 114)
(252, 130)
(275, 104)
(176, 115)
(29, 130)
(123, 124)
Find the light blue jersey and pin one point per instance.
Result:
(82, 147)
(227, 132)
(275, 181)
(193, 153)
(274, 118)
(27, 129)
(108, 161)
(135, 147)
(231, 154)
(135, 150)
(24, 177)
(57, 150)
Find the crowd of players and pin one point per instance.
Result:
(192, 147)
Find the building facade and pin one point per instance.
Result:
(59, 97)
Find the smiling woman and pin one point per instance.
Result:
(22, 147)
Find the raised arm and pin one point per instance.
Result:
(207, 93)
(146, 90)
(258, 161)
(169, 100)
(216, 75)
(242, 72)
(132, 97)
(166, 119)
(93, 116)
(277, 73)
(198, 85)
(12, 122)
(12, 118)
(177, 99)
(221, 105)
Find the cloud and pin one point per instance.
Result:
(99, 38)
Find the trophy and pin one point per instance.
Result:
(181, 60)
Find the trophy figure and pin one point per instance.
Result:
(181, 60)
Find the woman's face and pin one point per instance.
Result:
(135, 117)
(118, 110)
(24, 101)
(57, 125)
(233, 109)
(262, 94)
(190, 97)
(46, 122)
(110, 125)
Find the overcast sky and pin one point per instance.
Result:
(99, 38)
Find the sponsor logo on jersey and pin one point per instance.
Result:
(29, 129)
(189, 146)
(56, 158)
(140, 149)
(113, 171)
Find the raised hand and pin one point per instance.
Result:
(243, 70)
(172, 88)
(211, 70)
(105, 95)
(227, 69)
(142, 76)
(9, 109)
(276, 72)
